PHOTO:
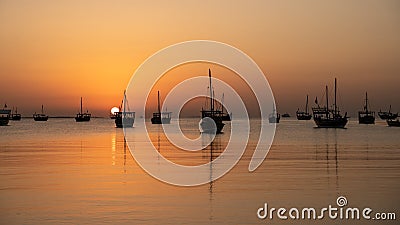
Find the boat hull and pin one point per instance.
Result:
(226, 117)
(304, 117)
(41, 118)
(82, 118)
(158, 120)
(366, 120)
(387, 116)
(393, 123)
(16, 117)
(4, 121)
(330, 123)
(274, 119)
(126, 122)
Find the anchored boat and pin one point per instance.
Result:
(83, 117)
(5, 116)
(40, 116)
(303, 115)
(161, 117)
(325, 117)
(274, 117)
(387, 115)
(15, 115)
(211, 116)
(366, 116)
(124, 118)
(393, 123)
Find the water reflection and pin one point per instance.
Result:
(118, 138)
(324, 151)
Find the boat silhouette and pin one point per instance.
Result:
(15, 115)
(303, 115)
(81, 116)
(274, 117)
(387, 115)
(366, 116)
(393, 122)
(124, 118)
(324, 117)
(160, 117)
(40, 116)
(5, 116)
(211, 116)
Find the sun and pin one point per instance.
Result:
(114, 110)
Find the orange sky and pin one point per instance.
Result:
(53, 52)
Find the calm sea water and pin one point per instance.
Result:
(62, 172)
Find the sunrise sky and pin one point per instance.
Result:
(53, 52)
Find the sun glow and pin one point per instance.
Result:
(114, 110)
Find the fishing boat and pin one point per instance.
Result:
(81, 116)
(366, 116)
(160, 117)
(124, 118)
(5, 116)
(324, 117)
(286, 115)
(393, 123)
(303, 115)
(387, 115)
(274, 117)
(225, 115)
(15, 115)
(207, 126)
(40, 116)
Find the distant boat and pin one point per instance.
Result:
(393, 123)
(41, 116)
(160, 117)
(225, 116)
(124, 118)
(83, 117)
(387, 115)
(15, 115)
(274, 117)
(5, 116)
(303, 115)
(329, 118)
(286, 115)
(216, 115)
(365, 116)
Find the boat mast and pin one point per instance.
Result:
(42, 109)
(327, 105)
(366, 102)
(159, 110)
(222, 107)
(124, 102)
(307, 105)
(335, 99)
(81, 105)
(211, 92)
